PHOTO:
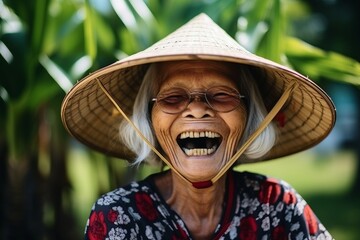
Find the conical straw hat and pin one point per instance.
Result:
(305, 120)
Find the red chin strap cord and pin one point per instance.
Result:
(205, 184)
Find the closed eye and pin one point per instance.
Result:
(223, 97)
(173, 99)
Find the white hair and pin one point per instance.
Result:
(142, 119)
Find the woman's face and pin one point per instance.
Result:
(198, 126)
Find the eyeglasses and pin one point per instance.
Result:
(219, 98)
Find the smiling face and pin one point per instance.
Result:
(198, 141)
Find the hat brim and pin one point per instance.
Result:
(305, 120)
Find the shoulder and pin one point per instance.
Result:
(256, 181)
(272, 206)
(119, 212)
(266, 189)
(122, 194)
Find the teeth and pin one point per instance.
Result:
(193, 134)
(199, 151)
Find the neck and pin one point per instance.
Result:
(200, 209)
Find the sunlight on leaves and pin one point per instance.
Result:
(4, 94)
(124, 13)
(141, 9)
(11, 23)
(80, 67)
(56, 73)
(6, 53)
(250, 39)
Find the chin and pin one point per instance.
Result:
(200, 168)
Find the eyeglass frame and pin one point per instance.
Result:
(192, 95)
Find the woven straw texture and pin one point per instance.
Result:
(305, 120)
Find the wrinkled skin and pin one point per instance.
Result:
(199, 208)
(196, 118)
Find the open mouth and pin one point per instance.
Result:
(199, 143)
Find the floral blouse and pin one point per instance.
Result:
(256, 207)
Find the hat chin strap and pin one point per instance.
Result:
(205, 184)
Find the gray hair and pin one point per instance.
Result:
(142, 119)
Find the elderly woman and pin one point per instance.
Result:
(200, 103)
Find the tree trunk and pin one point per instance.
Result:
(22, 201)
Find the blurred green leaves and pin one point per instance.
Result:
(89, 31)
(262, 30)
(320, 64)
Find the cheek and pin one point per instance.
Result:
(156, 117)
(161, 123)
(236, 123)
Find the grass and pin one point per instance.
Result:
(324, 182)
(339, 213)
(309, 173)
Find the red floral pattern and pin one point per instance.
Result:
(145, 206)
(97, 226)
(181, 234)
(112, 215)
(289, 198)
(257, 207)
(279, 233)
(311, 220)
(248, 228)
(269, 191)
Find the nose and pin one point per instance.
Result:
(198, 108)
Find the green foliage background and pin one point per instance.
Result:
(48, 179)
